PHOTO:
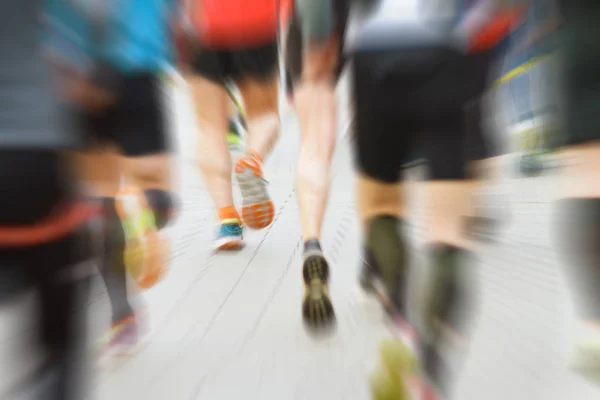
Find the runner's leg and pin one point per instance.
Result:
(258, 81)
(60, 270)
(319, 42)
(212, 105)
(579, 207)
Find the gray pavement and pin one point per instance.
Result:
(228, 326)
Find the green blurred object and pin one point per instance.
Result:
(234, 138)
(586, 360)
(387, 381)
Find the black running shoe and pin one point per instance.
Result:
(317, 309)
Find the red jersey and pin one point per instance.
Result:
(237, 23)
(495, 30)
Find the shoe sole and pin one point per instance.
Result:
(228, 244)
(317, 310)
(258, 211)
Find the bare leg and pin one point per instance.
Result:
(212, 109)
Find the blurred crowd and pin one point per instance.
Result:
(88, 164)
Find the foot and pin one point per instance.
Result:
(146, 250)
(229, 236)
(258, 210)
(586, 354)
(317, 309)
(397, 374)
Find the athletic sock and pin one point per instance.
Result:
(312, 245)
(448, 293)
(447, 300)
(579, 241)
(113, 267)
(228, 214)
(385, 246)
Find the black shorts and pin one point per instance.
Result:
(581, 63)
(135, 123)
(260, 63)
(414, 101)
(295, 47)
(34, 183)
(478, 139)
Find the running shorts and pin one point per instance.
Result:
(135, 123)
(222, 65)
(414, 100)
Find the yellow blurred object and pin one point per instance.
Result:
(146, 251)
(389, 381)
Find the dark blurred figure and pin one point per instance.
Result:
(419, 77)
(111, 60)
(580, 190)
(44, 240)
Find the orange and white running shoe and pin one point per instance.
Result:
(258, 210)
(146, 251)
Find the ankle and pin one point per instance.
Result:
(228, 213)
(312, 245)
(256, 155)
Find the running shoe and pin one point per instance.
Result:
(397, 373)
(146, 252)
(229, 236)
(258, 211)
(122, 341)
(317, 309)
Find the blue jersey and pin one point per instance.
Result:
(131, 35)
(67, 34)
